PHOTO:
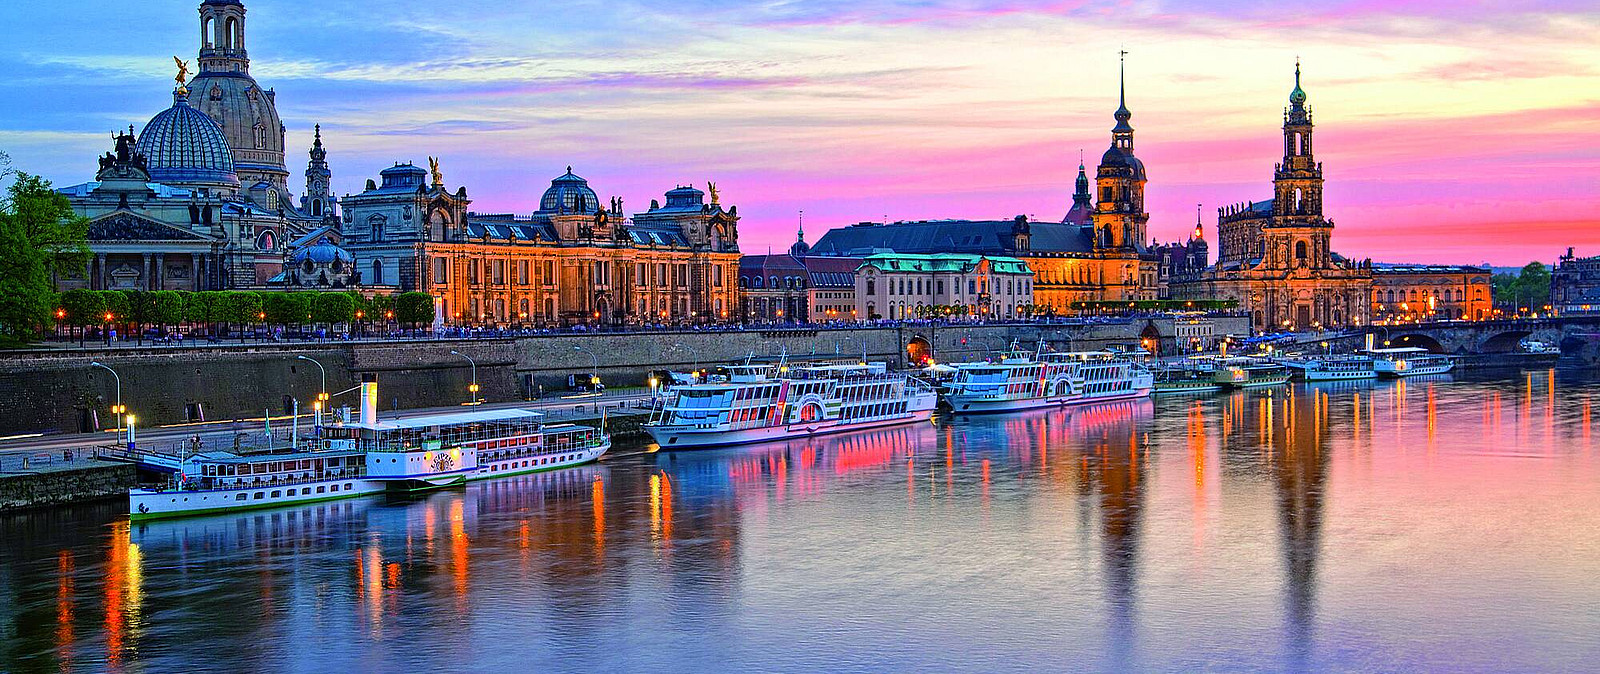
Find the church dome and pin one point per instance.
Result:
(569, 194)
(184, 145)
(320, 253)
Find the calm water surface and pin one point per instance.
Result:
(1428, 524)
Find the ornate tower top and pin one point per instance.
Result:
(1122, 115)
(222, 37)
(1298, 112)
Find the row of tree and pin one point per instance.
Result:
(40, 237)
(1529, 288)
(165, 308)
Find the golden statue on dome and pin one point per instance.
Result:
(183, 74)
(433, 167)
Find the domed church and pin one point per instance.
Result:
(198, 199)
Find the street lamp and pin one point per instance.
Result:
(322, 396)
(594, 372)
(116, 409)
(473, 388)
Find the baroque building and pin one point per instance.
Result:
(575, 260)
(198, 200)
(1275, 257)
(1575, 284)
(900, 286)
(1098, 251)
(1430, 292)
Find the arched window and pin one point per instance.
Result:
(377, 272)
(1300, 250)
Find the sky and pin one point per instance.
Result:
(1461, 132)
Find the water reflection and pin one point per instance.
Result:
(1327, 526)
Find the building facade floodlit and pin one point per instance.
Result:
(1275, 257)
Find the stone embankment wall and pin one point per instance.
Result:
(79, 483)
(56, 390)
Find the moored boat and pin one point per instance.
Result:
(762, 402)
(1331, 368)
(1185, 378)
(1409, 362)
(1018, 381)
(1250, 373)
(369, 456)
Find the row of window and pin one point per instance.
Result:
(523, 272)
(975, 286)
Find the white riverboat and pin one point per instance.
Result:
(1409, 362)
(368, 456)
(1020, 381)
(763, 402)
(1331, 368)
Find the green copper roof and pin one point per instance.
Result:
(960, 263)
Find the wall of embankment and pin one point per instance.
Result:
(48, 390)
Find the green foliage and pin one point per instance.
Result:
(287, 308)
(118, 304)
(201, 307)
(83, 307)
(333, 308)
(40, 237)
(237, 306)
(139, 306)
(414, 308)
(1527, 289)
(166, 307)
(377, 306)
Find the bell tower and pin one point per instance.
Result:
(1297, 181)
(222, 37)
(318, 202)
(1119, 217)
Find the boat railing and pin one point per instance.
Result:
(181, 482)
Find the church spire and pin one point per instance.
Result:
(1122, 114)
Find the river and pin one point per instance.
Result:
(1441, 524)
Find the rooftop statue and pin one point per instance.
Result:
(183, 73)
(433, 167)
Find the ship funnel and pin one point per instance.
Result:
(369, 399)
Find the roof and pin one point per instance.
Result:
(1386, 268)
(447, 419)
(160, 190)
(831, 272)
(569, 193)
(184, 145)
(944, 262)
(951, 236)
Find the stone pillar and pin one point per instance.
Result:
(160, 277)
(194, 271)
(102, 274)
(144, 272)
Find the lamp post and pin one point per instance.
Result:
(322, 395)
(594, 372)
(473, 388)
(116, 409)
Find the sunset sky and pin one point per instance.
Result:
(1450, 132)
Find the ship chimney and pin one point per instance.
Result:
(369, 399)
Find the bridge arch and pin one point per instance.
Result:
(1509, 341)
(918, 351)
(1417, 340)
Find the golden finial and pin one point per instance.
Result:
(433, 167)
(712, 188)
(183, 74)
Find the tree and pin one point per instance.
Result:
(118, 307)
(286, 308)
(333, 308)
(1533, 286)
(40, 238)
(166, 308)
(240, 307)
(202, 308)
(83, 308)
(414, 308)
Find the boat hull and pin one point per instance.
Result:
(681, 437)
(148, 504)
(1414, 372)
